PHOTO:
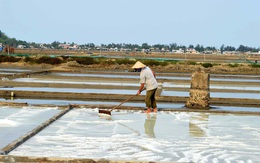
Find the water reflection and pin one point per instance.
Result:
(198, 125)
(149, 125)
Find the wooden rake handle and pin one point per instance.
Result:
(124, 101)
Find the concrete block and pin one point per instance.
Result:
(200, 80)
(199, 91)
(199, 94)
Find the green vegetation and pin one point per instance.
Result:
(9, 59)
(107, 62)
(207, 65)
(154, 63)
(255, 65)
(49, 60)
(83, 61)
(125, 61)
(29, 60)
(45, 60)
(173, 62)
(233, 65)
(10, 41)
(191, 62)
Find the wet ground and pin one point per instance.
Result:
(168, 136)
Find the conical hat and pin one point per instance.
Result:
(139, 64)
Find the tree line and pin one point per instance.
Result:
(167, 47)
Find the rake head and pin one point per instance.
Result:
(106, 112)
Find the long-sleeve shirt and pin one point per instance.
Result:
(147, 77)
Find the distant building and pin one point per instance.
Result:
(163, 50)
(20, 46)
(69, 47)
(125, 50)
(64, 46)
(43, 47)
(230, 52)
(254, 53)
(74, 47)
(145, 51)
(178, 51)
(208, 52)
(112, 49)
(191, 50)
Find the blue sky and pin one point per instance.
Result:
(185, 22)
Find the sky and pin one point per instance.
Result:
(184, 22)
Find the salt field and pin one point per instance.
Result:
(214, 94)
(161, 105)
(171, 135)
(172, 76)
(165, 92)
(15, 122)
(166, 136)
(69, 81)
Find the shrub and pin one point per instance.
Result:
(153, 63)
(29, 59)
(48, 60)
(124, 61)
(233, 65)
(165, 63)
(181, 63)
(9, 59)
(65, 57)
(191, 62)
(84, 61)
(255, 65)
(207, 65)
(173, 62)
(107, 62)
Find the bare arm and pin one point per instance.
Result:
(140, 89)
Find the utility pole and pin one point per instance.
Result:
(8, 49)
(100, 49)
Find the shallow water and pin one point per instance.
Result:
(164, 92)
(158, 76)
(69, 81)
(215, 94)
(235, 86)
(90, 102)
(161, 105)
(180, 137)
(13, 70)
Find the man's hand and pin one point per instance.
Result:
(140, 89)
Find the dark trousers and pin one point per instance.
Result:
(150, 99)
